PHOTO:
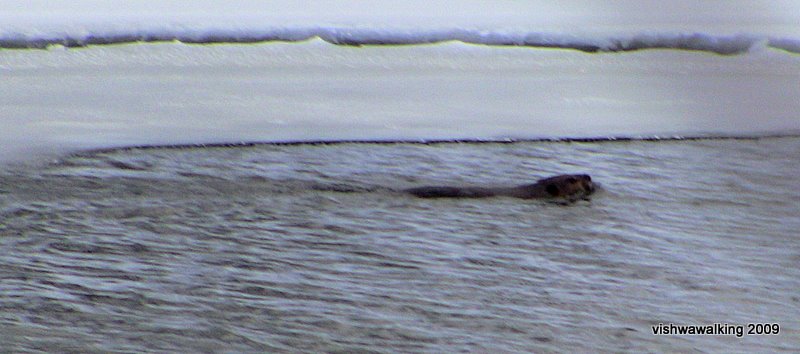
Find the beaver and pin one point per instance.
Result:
(562, 186)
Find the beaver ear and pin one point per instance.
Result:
(552, 189)
(587, 177)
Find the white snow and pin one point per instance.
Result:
(58, 100)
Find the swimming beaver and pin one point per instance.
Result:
(561, 186)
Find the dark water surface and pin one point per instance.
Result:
(310, 249)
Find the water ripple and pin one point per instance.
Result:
(313, 249)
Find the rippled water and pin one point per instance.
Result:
(311, 248)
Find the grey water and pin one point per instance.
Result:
(313, 249)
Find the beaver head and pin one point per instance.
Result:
(568, 185)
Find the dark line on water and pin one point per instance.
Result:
(653, 138)
(582, 47)
(722, 45)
